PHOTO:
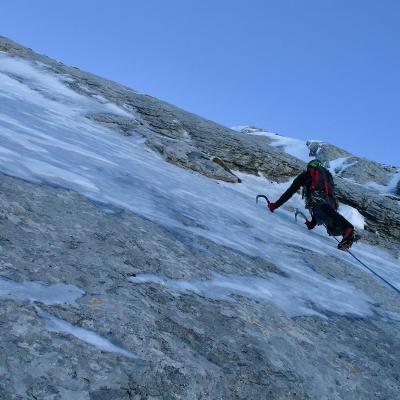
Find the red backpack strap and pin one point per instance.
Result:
(314, 178)
(326, 185)
(312, 173)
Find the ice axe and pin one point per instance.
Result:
(301, 214)
(262, 196)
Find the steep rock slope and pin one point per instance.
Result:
(123, 276)
(203, 146)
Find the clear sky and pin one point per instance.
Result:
(311, 69)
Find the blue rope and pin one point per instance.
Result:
(298, 212)
(372, 271)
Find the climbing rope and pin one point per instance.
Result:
(371, 270)
(297, 213)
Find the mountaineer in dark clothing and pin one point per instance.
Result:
(318, 192)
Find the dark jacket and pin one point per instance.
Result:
(304, 180)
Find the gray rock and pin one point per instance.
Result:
(186, 156)
(326, 152)
(250, 154)
(250, 129)
(364, 171)
(192, 347)
(123, 125)
(357, 169)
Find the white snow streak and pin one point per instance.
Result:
(295, 300)
(56, 294)
(54, 324)
(295, 147)
(337, 166)
(37, 291)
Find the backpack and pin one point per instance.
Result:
(319, 187)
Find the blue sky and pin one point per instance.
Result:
(311, 69)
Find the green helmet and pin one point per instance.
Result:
(314, 163)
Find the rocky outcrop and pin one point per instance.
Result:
(382, 213)
(365, 171)
(326, 152)
(358, 169)
(250, 154)
(187, 156)
(123, 125)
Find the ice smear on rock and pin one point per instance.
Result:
(51, 295)
(311, 296)
(37, 291)
(54, 324)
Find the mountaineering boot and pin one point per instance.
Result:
(349, 236)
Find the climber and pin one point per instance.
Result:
(318, 192)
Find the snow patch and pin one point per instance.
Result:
(295, 147)
(337, 166)
(39, 76)
(352, 215)
(54, 324)
(296, 300)
(390, 188)
(37, 291)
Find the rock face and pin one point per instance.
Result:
(187, 156)
(357, 169)
(188, 346)
(167, 342)
(381, 212)
(326, 152)
(365, 171)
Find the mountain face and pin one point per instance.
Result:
(135, 263)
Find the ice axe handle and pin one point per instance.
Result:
(299, 213)
(262, 196)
